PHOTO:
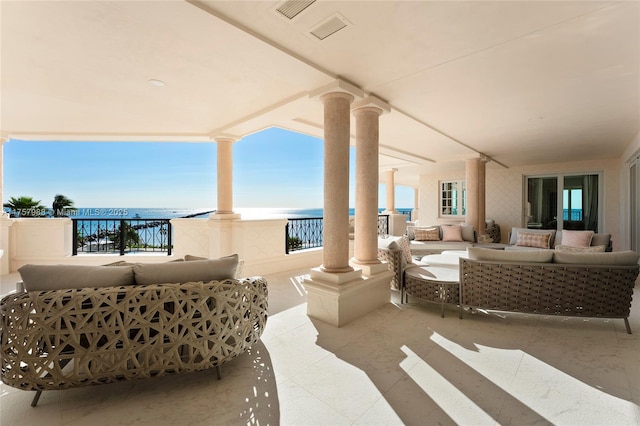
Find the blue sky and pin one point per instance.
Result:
(273, 168)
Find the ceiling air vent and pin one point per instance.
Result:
(329, 26)
(290, 9)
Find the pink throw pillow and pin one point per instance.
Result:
(451, 233)
(577, 238)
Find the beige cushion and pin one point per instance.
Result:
(577, 238)
(617, 258)
(182, 272)
(601, 240)
(514, 234)
(571, 249)
(57, 277)
(188, 258)
(389, 243)
(427, 234)
(468, 234)
(533, 239)
(451, 233)
(527, 256)
(119, 263)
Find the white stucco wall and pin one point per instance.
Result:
(260, 244)
(504, 194)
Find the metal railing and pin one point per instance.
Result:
(407, 212)
(122, 236)
(304, 233)
(383, 224)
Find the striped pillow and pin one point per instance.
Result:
(530, 239)
(427, 234)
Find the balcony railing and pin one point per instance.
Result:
(305, 233)
(121, 236)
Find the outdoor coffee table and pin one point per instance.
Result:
(439, 284)
(448, 258)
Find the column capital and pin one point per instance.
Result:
(371, 103)
(367, 109)
(480, 157)
(336, 95)
(338, 86)
(223, 137)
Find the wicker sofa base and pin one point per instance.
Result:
(598, 291)
(78, 337)
(430, 291)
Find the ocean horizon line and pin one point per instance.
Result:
(176, 212)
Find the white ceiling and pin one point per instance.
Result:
(520, 82)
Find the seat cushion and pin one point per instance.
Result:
(58, 277)
(182, 272)
(527, 256)
(618, 258)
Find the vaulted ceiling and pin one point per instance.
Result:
(519, 82)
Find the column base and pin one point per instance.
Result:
(369, 269)
(224, 216)
(338, 299)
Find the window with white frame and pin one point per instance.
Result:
(453, 196)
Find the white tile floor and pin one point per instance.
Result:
(402, 364)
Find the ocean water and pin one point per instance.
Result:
(170, 213)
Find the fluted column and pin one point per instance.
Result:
(366, 218)
(391, 190)
(336, 181)
(225, 175)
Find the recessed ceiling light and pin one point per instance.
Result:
(157, 83)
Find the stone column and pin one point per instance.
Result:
(391, 191)
(475, 184)
(336, 181)
(5, 222)
(415, 214)
(366, 220)
(482, 224)
(2, 142)
(225, 175)
(336, 292)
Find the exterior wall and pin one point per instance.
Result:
(505, 189)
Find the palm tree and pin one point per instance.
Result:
(25, 207)
(62, 206)
(131, 237)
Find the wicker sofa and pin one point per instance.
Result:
(549, 282)
(467, 238)
(197, 318)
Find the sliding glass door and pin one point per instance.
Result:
(563, 202)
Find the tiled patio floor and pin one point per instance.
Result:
(402, 364)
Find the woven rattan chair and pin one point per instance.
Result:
(78, 337)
